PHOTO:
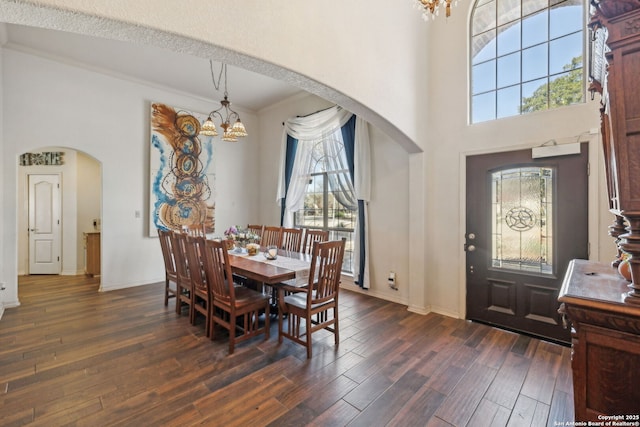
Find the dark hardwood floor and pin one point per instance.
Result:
(70, 355)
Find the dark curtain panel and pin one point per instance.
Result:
(292, 146)
(348, 136)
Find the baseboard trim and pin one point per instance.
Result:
(113, 287)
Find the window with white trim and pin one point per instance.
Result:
(526, 56)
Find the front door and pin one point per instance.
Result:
(44, 224)
(526, 219)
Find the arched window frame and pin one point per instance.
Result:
(495, 90)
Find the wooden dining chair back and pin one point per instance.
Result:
(317, 303)
(195, 230)
(184, 293)
(231, 303)
(271, 236)
(311, 236)
(201, 301)
(255, 229)
(170, 274)
(291, 239)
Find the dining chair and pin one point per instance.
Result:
(170, 274)
(255, 229)
(271, 236)
(195, 230)
(313, 303)
(231, 303)
(291, 239)
(311, 236)
(185, 295)
(201, 301)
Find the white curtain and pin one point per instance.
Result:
(324, 126)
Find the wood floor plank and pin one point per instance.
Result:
(418, 408)
(490, 414)
(70, 355)
(382, 410)
(460, 405)
(337, 415)
(505, 388)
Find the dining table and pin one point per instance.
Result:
(290, 268)
(285, 268)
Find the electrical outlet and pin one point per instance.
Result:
(392, 280)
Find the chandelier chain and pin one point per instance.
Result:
(223, 67)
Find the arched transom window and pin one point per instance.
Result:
(526, 56)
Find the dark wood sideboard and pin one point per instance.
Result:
(601, 306)
(605, 339)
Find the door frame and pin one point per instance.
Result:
(597, 201)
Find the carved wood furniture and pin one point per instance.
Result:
(606, 341)
(615, 73)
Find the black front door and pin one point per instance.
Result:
(526, 219)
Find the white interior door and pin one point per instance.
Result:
(44, 224)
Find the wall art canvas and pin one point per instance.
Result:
(182, 171)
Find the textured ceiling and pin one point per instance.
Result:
(178, 71)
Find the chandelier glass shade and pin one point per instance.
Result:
(232, 126)
(431, 8)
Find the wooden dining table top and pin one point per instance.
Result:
(249, 267)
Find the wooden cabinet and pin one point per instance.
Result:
(606, 341)
(615, 74)
(92, 253)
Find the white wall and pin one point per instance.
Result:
(108, 118)
(389, 206)
(322, 47)
(397, 73)
(451, 138)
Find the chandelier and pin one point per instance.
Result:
(232, 127)
(431, 8)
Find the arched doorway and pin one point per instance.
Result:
(76, 209)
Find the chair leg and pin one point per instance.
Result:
(308, 332)
(166, 292)
(280, 322)
(212, 326)
(232, 333)
(336, 330)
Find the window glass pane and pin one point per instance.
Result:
(484, 107)
(534, 62)
(531, 6)
(548, 35)
(509, 70)
(484, 17)
(484, 77)
(565, 18)
(508, 11)
(565, 53)
(535, 29)
(566, 88)
(535, 96)
(509, 38)
(508, 102)
(483, 47)
(522, 219)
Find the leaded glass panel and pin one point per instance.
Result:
(522, 219)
